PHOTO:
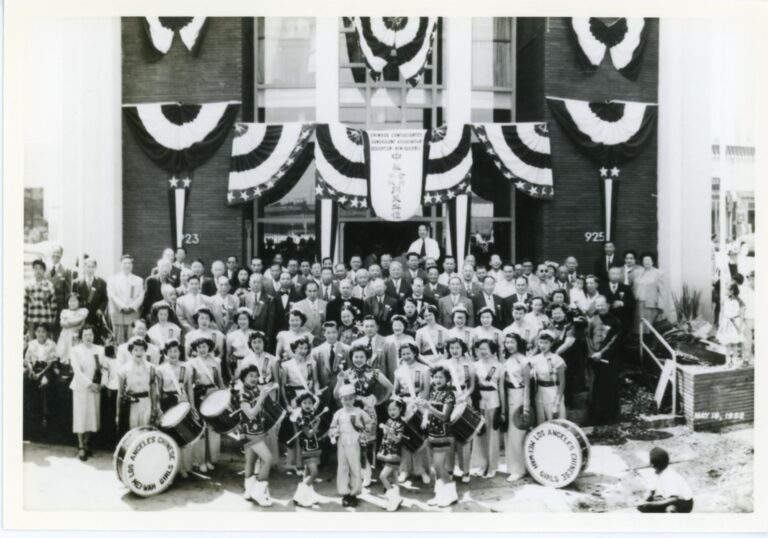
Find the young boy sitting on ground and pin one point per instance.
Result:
(669, 491)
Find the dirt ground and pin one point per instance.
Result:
(718, 467)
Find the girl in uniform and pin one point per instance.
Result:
(459, 330)
(490, 383)
(284, 339)
(364, 379)
(548, 369)
(439, 406)
(389, 453)
(252, 424)
(72, 319)
(430, 339)
(347, 428)
(306, 419)
(137, 387)
(87, 364)
(237, 340)
(203, 319)
(485, 330)
(517, 375)
(162, 329)
(206, 378)
(412, 383)
(522, 327)
(175, 386)
(298, 375)
(462, 369)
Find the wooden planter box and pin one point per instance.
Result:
(714, 396)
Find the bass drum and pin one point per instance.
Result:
(146, 461)
(556, 452)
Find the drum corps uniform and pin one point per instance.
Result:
(175, 383)
(544, 371)
(413, 462)
(206, 379)
(485, 449)
(462, 374)
(137, 381)
(514, 385)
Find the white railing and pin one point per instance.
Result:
(645, 325)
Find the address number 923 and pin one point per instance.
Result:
(191, 239)
(594, 237)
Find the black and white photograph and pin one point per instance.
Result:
(338, 263)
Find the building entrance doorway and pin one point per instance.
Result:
(366, 238)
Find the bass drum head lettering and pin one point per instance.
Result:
(556, 452)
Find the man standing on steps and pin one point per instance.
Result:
(425, 246)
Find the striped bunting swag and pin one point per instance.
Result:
(522, 153)
(161, 31)
(404, 42)
(341, 162)
(267, 159)
(625, 39)
(449, 166)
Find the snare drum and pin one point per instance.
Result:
(556, 452)
(466, 422)
(273, 413)
(220, 411)
(146, 461)
(413, 435)
(183, 424)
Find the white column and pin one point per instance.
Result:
(684, 159)
(457, 96)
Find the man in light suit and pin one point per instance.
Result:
(224, 305)
(262, 306)
(469, 285)
(377, 347)
(314, 309)
(333, 309)
(187, 304)
(363, 288)
(521, 295)
(490, 300)
(446, 305)
(432, 287)
(397, 287)
(381, 307)
(329, 288)
(126, 293)
(209, 287)
(330, 357)
(604, 263)
(425, 246)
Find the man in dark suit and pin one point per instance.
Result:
(489, 299)
(432, 288)
(521, 295)
(413, 270)
(61, 278)
(329, 288)
(93, 295)
(210, 286)
(381, 306)
(285, 298)
(231, 272)
(418, 296)
(619, 296)
(333, 309)
(397, 286)
(262, 307)
(604, 263)
(206, 283)
(153, 288)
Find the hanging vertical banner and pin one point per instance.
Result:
(397, 172)
(610, 133)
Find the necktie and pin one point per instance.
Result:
(613, 288)
(423, 251)
(332, 357)
(327, 293)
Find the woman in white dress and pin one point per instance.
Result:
(163, 330)
(397, 339)
(175, 387)
(72, 319)
(730, 332)
(517, 375)
(203, 319)
(490, 383)
(536, 316)
(485, 330)
(88, 363)
(237, 341)
(649, 290)
(548, 369)
(431, 338)
(462, 368)
(206, 379)
(284, 339)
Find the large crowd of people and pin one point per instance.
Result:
(376, 341)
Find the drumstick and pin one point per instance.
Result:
(385, 428)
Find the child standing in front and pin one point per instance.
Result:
(306, 419)
(347, 427)
(389, 453)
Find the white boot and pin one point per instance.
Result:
(367, 476)
(248, 486)
(439, 486)
(393, 498)
(259, 493)
(449, 495)
(312, 495)
(303, 495)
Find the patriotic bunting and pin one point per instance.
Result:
(161, 31)
(610, 134)
(522, 153)
(404, 42)
(449, 166)
(178, 138)
(625, 39)
(267, 160)
(342, 165)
